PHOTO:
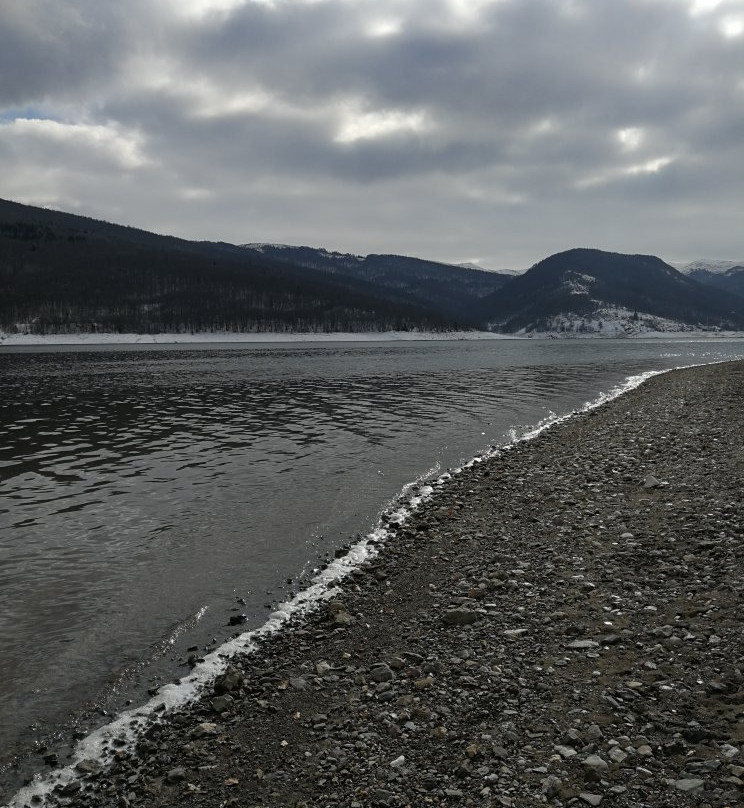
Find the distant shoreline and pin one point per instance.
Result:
(54, 340)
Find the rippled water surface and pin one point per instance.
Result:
(142, 492)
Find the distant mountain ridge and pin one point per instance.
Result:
(725, 275)
(453, 290)
(579, 284)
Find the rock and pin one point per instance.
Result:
(222, 703)
(590, 799)
(595, 763)
(237, 619)
(177, 775)
(651, 482)
(582, 645)
(515, 632)
(460, 617)
(382, 673)
(551, 786)
(689, 785)
(230, 681)
(203, 729)
(617, 755)
(88, 766)
(343, 619)
(565, 751)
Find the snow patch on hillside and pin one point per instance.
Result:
(577, 283)
(615, 322)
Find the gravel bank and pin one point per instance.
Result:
(562, 625)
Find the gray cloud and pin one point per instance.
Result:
(500, 130)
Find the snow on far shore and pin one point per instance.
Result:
(12, 340)
(565, 328)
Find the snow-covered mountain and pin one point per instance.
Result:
(714, 266)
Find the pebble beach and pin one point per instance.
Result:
(561, 624)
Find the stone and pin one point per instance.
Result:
(203, 729)
(460, 617)
(582, 645)
(230, 680)
(382, 673)
(689, 785)
(222, 703)
(617, 755)
(590, 799)
(177, 775)
(515, 632)
(88, 766)
(551, 786)
(595, 763)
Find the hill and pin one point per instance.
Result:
(62, 273)
(725, 275)
(575, 290)
(453, 290)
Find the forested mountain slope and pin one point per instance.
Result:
(65, 273)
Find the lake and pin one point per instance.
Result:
(149, 495)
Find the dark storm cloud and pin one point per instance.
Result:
(471, 127)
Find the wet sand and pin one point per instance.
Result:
(559, 625)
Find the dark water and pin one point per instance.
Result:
(143, 491)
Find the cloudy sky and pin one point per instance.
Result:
(492, 131)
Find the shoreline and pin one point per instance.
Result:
(381, 651)
(232, 339)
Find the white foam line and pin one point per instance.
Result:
(129, 725)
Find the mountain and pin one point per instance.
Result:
(576, 289)
(453, 290)
(725, 275)
(62, 273)
(510, 272)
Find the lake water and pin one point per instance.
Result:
(143, 492)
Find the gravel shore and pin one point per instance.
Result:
(561, 625)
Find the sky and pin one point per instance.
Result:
(496, 132)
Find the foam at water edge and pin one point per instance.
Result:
(130, 724)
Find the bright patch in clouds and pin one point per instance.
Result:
(202, 8)
(380, 124)
(732, 27)
(704, 6)
(107, 141)
(630, 138)
(384, 28)
(653, 166)
(650, 166)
